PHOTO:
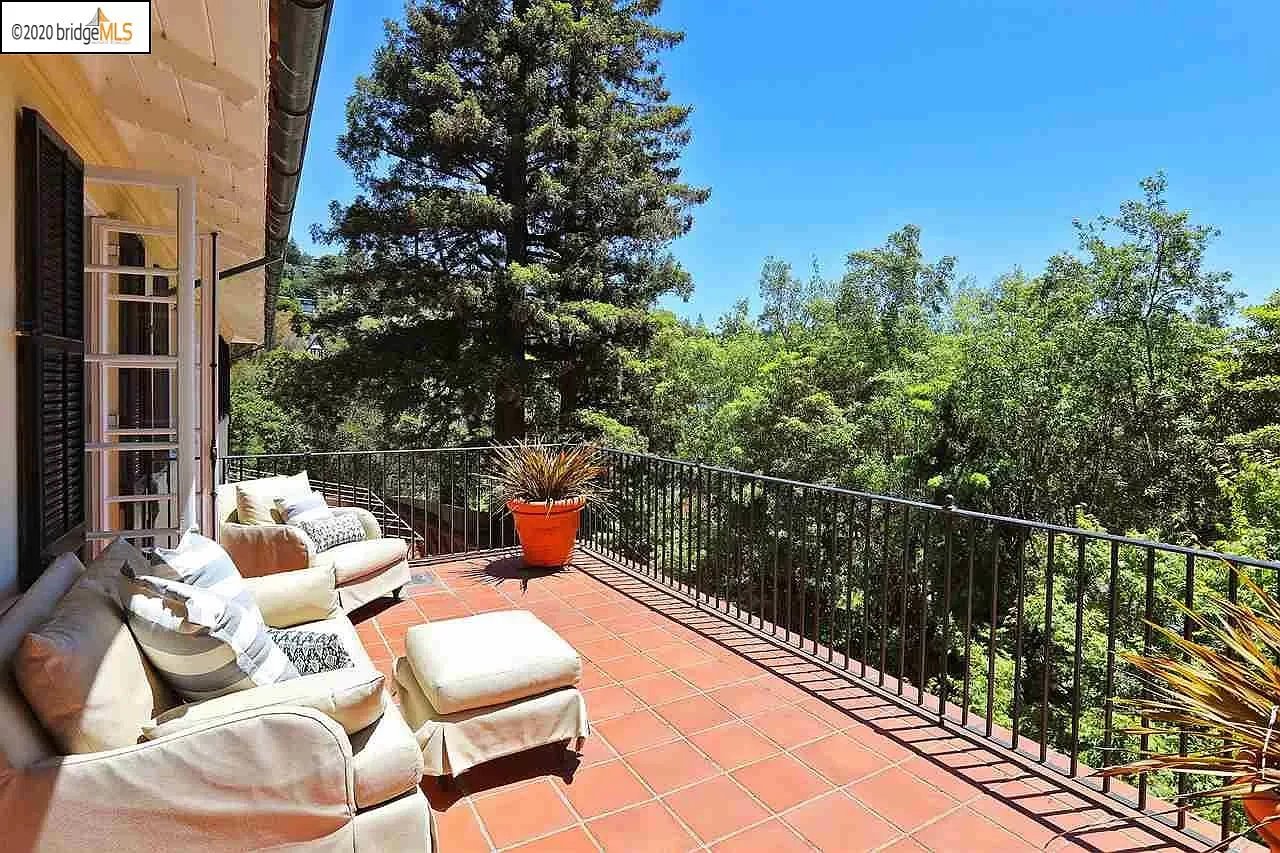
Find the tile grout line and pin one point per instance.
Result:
(746, 720)
(581, 821)
(720, 621)
(772, 813)
(484, 829)
(649, 594)
(621, 758)
(793, 703)
(786, 702)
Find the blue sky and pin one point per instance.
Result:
(822, 126)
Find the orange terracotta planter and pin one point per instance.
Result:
(1259, 807)
(547, 535)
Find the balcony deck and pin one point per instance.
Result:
(707, 737)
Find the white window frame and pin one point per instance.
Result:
(188, 392)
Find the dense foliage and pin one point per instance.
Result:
(1113, 381)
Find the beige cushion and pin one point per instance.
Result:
(386, 760)
(489, 659)
(454, 743)
(292, 598)
(265, 549)
(351, 697)
(106, 567)
(256, 499)
(84, 675)
(356, 560)
(23, 740)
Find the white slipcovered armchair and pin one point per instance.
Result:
(365, 570)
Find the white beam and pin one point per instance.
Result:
(208, 373)
(149, 533)
(112, 359)
(238, 245)
(149, 300)
(120, 226)
(243, 204)
(127, 270)
(194, 67)
(188, 393)
(138, 499)
(139, 431)
(250, 241)
(150, 115)
(131, 177)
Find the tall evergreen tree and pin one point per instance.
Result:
(520, 189)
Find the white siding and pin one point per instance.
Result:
(8, 349)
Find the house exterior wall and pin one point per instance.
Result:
(55, 86)
(8, 346)
(71, 93)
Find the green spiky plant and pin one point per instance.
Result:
(1224, 689)
(537, 473)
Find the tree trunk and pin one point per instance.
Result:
(570, 381)
(509, 390)
(570, 395)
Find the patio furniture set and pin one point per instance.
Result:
(117, 711)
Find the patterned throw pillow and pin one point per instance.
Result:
(312, 651)
(338, 529)
(202, 644)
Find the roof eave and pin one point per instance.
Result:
(299, 30)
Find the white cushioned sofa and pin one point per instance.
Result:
(376, 566)
(245, 771)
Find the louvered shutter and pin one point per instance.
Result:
(51, 398)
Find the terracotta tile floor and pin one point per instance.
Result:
(707, 738)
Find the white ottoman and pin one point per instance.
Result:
(481, 687)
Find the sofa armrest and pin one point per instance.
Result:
(279, 777)
(292, 598)
(264, 549)
(372, 530)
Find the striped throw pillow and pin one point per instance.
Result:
(204, 564)
(198, 624)
(297, 508)
(203, 645)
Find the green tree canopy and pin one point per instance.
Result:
(520, 189)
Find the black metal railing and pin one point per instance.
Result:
(433, 497)
(1007, 627)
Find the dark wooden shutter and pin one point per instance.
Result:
(51, 398)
